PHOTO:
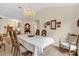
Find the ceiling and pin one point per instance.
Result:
(11, 10)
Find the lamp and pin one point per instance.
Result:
(28, 13)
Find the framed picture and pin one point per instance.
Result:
(53, 24)
(58, 24)
(45, 25)
(48, 23)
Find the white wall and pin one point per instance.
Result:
(33, 24)
(5, 22)
(68, 17)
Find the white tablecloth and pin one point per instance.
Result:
(35, 44)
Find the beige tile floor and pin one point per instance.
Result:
(48, 51)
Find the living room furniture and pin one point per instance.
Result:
(77, 44)
(16, 45)
(2, 43)
(69, 43)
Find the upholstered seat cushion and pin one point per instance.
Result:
(66, 46)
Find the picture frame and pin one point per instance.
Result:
(58, 24)
(48, 23)
(53, 24)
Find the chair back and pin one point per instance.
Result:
(15, 36)
(77, 45)
(13, 40)
(1, 40)
(37, 32)
(11, 36)
(72, 38)
(44, 33)
(77, 39)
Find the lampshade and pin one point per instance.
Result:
(29, 12)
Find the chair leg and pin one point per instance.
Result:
(19, 51)
(16, 51)
(12, 49)
(69, 49)
(0, 46)
(69, 52)
(59, 44)
(4, 47)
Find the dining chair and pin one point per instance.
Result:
(69, 43)
(77, 45)
(44, 33)
(18, 45)
(37, 32)
(12, 41)
(2, 42)
(15, 45)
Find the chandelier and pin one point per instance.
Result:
(28, 13)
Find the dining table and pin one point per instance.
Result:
(36, 44)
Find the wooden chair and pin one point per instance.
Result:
(17, 45)
(77, 45)
(37, 32)
(2, 43)
(12, 41)
(44, 33)
(17, 49)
